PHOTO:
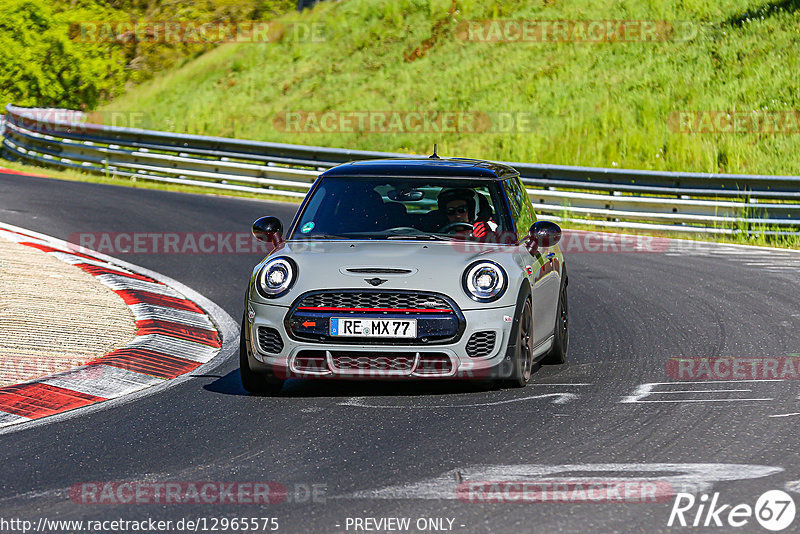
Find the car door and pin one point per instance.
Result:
(544, 279)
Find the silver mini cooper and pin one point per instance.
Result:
(407, 268)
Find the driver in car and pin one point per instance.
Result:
(463, 206)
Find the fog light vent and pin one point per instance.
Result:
(481, 344)
(269, 340)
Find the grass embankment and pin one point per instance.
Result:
(595, 104)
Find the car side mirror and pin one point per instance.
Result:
(543, 234)
(269, 230)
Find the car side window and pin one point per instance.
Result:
(520, 207)
(527, 206)
(513, 200)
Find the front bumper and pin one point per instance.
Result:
(298, 358)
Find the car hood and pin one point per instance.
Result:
(435, 266)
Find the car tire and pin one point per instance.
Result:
(253, 382)
(522, 364)
(558, 353)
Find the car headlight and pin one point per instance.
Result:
(276, 277)
(484, 281)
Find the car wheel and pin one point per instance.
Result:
(522, 366)
(558, 354)
(251, 381)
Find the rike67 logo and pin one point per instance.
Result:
(774, 511)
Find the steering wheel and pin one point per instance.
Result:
(455, 226)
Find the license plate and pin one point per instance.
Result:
(347, 326)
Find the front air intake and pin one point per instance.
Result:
(481, 344)
(269, 340)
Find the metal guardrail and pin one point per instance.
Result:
(683, 202)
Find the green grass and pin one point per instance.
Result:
(601, 104)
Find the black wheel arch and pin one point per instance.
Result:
(523, 293)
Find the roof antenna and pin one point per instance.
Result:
(434, 155)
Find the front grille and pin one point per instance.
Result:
(269, 340)
(360, 361)
(360, 300)
(434, 363)
(438, 318)
(372, 364)
(481, 344)
(311, 361)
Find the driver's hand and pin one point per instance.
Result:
(480, 229)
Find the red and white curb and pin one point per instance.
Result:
(178, 331)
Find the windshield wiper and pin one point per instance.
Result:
(426, 237)
(320, 236)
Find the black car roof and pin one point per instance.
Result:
(434, 168)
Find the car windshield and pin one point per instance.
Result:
(403, 208)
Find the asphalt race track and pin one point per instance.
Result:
(399, 450)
